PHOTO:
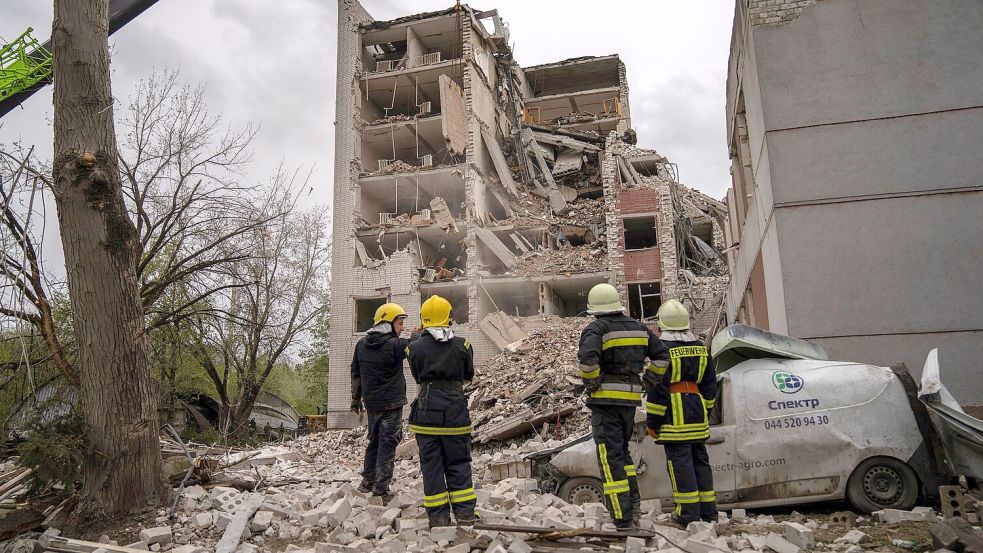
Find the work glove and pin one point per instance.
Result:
(653, 433)
(592, 385)
(356, 406)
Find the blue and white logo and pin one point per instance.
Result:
(787, 383)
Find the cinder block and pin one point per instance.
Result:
(160, 534)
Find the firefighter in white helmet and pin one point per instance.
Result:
(689, 385)
(612, 353)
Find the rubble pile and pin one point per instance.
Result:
(300, 496)
(392, 119)
(397, 166)
(303, 499)
(535, 379)
(589, 258)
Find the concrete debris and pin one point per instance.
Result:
(800, 535)
(535, 383)
(312, 505)
(779, 544)
(442, 215)
(955, 534)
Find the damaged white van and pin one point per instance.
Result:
(789, 427)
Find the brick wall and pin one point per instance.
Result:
(643, 265)
(776, 12)
(638, 200)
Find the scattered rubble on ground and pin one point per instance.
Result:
(300, 496)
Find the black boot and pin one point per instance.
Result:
(624, 525)
(386, 496)
(440, 520)
(676, 519)
(364, 487)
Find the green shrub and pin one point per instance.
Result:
(54, 452)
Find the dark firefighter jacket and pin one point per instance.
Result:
(682, 417)
(377, 371)
(612, 356)
(441, 369)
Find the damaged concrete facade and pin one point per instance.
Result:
(509, 191)
(854, 216)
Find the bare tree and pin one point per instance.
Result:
(122, 463)
(181, 172)
(182, 176)
(23, 284)
(273, 301)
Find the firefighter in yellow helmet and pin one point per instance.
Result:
(689, 385)
(612, 353)
(379, 384)
(442, 364)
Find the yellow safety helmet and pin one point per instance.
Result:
(603, 298)
(436, 311)
(389, 312)
(673, 316)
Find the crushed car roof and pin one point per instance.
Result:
(738, 343)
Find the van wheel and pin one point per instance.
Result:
(882, 483)
(581, 490)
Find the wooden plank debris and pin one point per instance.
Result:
(69, 545)
(559, 533)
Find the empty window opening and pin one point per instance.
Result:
(365, 312)
(640, 233)
(644, 300)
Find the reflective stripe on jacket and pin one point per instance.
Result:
(612, 354)
(682, 417)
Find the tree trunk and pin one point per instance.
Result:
(122, 466)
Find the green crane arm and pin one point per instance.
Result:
(25, 65)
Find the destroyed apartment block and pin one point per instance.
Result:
(510, 191)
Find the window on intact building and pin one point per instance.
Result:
(640, 233)
(644, 300)
(365, 312)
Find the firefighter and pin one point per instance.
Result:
(612, 353)
(442, 364)
(676, 408)
(378, 384)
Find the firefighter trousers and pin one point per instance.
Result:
(445, 462)
(613, 427)
(385, 433)
(692, 481)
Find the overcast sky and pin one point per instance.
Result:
(272, 62)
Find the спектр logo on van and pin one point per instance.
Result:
(787, 383)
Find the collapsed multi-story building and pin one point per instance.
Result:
(509, 191)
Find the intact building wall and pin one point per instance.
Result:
(863, 199)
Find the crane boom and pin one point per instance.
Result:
(121, 12)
